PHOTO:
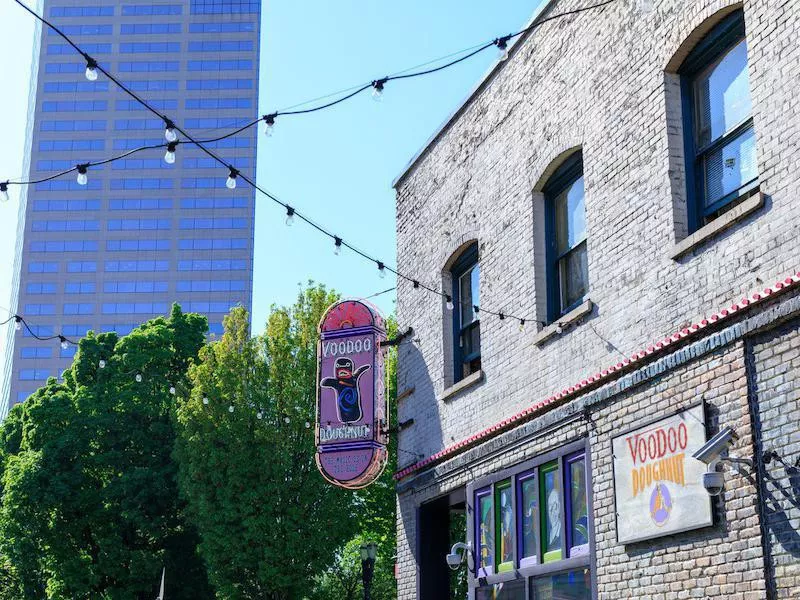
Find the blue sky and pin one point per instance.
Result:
(336, 166)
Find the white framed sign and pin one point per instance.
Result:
(658, 487)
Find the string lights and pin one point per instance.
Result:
(20, 322)
(172, 130)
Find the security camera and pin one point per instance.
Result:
(717, 447)
(455, 558)
(714, 482)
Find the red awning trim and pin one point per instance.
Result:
(602, 376)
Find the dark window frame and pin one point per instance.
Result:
(486, 485)
(716, 43)
(568, 173)
(466, 261)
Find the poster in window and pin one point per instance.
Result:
(485, 543)
(552, 511)
(529, 521)
(658, 486)
(505, 528)
(578, 508)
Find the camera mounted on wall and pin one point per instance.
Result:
(714, 453)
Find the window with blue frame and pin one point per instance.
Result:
(465, 274)
(565, 233)
(720, 144)
(531, 529)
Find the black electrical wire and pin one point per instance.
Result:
(60, 337)
(291, 211)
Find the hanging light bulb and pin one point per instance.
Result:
(169, 157)
(17, 322)
(559, 328)
(286, 419)
(172, 390)
(64, 343)
(259, 415)
(502, 47)
(230, 408)
(522, 325)
(377, 89)
(269, 124)
(449, 304)
(169, 132)
(289, 216)
(381, 270)
(308, 425)
(138, 378)
(337, 245)
(102, 364)
(91, 69)
(83, 177)
(231, 183)
(4, 192)
(205, 399)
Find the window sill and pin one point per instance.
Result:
(563, 322)
(467, 382)
(721, 223)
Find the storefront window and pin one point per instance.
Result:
(572, 585)
(527, 522)
(552, 513)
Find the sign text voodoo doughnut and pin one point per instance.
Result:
(351, 405)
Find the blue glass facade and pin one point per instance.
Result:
(142, 234)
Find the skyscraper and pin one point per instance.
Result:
(140, 233)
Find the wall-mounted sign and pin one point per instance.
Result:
(657, 484)
(352, 420)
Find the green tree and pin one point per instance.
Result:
(267, 519)
(90, 506)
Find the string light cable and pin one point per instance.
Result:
(20, 322)
(171, 131)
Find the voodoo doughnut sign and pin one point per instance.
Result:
(351, 432)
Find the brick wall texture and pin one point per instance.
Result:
(603, 81)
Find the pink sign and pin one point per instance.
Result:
(352, 424)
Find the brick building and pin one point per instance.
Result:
(625, 182)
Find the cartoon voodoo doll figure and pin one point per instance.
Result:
(348, 403)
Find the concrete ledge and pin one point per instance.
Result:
(564, 322)
(724, 221)
(462, 385)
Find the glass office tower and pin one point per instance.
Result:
(141, 233)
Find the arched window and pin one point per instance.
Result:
(720, 143)
(565, 231)
(465, 274)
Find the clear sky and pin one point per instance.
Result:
(336, 166)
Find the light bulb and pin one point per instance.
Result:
(172, 390)
(289, 216)
(102, 364)
(269, 125)
(503, 54)
(259, 415)
(83, 176)
(4, 192)
(522, 326)
(502, 47)
(449, 304)
(381, 270)
(559, 329)
(138, 378)
(287, 420)
(169, 157)
(377, 89)
(231, 183)
(205, 399)
(18, 324)
(169, 133)
(337, 247)
(64, 344)
(230, 408)
(308, 425)
(91, 70)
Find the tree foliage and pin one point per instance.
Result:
(89, 505)
(268, 521)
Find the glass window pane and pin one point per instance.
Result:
(529, 521)
(471, 341)
(578, 508)
(484, 528)
(573, 276)
(730, 167)
(504, 527)
(573, 585)
(552, 512)
(468, 295)
(570, 217)
(722, 96)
